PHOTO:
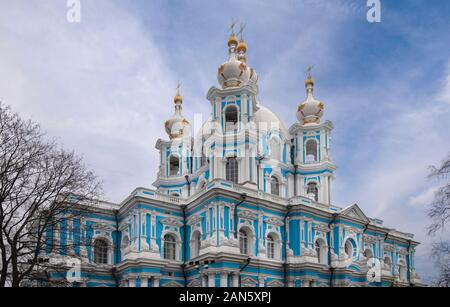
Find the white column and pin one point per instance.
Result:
(155, 282)
(262, 281)
(224, 279)
(211, 280)
(132, 282)
(144, 281)
(235, 280)
(204, 280)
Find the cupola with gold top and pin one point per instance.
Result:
(177, 126)
(234, 72)
(311, 110)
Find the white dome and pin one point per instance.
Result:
(266, 120)
(177, 127)
(233, 73)
(207, 128)
(311, 110)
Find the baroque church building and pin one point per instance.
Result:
(246, 202)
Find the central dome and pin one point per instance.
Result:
(233, 73)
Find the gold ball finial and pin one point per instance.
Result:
(309, 82)
(178, 98)
(232, 40)
(242, 47)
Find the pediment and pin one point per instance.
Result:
(274, 221)
(194, 284)
(194, 220)
(172, 284)
(248, 282)
(275, 283)
(246, 214)
(103, 226)
(354, 212)
(172, 222)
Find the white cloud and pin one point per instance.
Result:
(424, 198)
(99, 86)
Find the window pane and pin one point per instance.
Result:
(232, 170)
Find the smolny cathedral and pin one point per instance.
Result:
(246, 202)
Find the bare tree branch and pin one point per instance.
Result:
(41, 185)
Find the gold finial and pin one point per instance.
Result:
(242, 46)
(178, 97)
(232, 40)
(241, 31)
(308, 74)
(233, 24)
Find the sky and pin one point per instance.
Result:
(104, 86)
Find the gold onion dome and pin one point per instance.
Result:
(309, 82)
(178, 98)
(311, 110)
(177, 126)
(242, 47)
(232, 40)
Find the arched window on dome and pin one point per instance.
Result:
(313, 191)
(275, 149)
(170, 247)
(100, 251)
(275, 186)
(174, 166)
(231, 118)
(311, 151)
(232, 170)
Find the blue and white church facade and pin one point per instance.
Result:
(244, 202)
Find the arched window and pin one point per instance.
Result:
(321, 252)
(174, 166)
(231, 118)
(275, 149)
(232, 169)
(170, 244)
(196, 244)
(271, 242)
(313, 191)
(101, 251)
(349, 249)
(275, 186)
(311, 151)
(244, 242)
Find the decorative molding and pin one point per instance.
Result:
(170, 221)
(195, 219)
(248, 215)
